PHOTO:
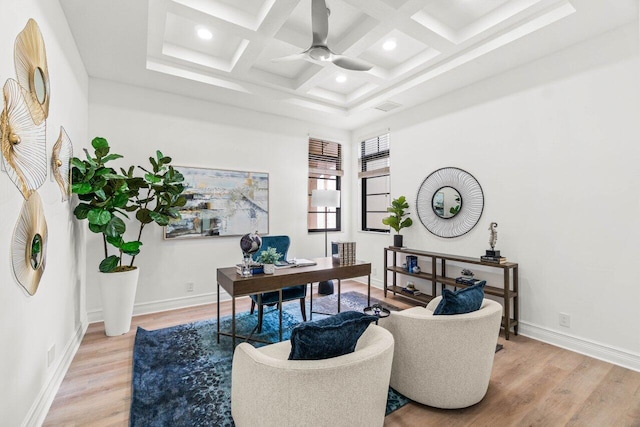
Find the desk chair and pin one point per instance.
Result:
(281, 244)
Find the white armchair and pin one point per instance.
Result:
(444, 361)
(349, 390)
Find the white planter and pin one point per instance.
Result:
(269, 268)
(118, 292)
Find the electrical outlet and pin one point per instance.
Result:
(190, 286)
(565, 320)
(51, 355)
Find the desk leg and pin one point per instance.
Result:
(369, 291)
(311, 301)
(233, 322)
(280, 314)
(218, 306)
(338, 295)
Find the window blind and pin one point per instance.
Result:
(374, 157)
(325, 158)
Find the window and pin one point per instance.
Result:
(374, 176)
(325, 172)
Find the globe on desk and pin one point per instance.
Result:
(250, 243)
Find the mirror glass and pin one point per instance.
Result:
(446, 202)
(36, 251)
(39, 87)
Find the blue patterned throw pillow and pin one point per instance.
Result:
(331, 337)
(461, 301)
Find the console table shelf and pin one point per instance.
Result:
(508, 292)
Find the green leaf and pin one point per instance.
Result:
(115, 227)
(76, 162)
(131, 248)
(143, 215)
(98, 143)
(109, 264)
(115, 241)
(152, 178)
(120, 200)
(82, 210)
(100, 194)
(98, 216)
(180, 201)
(96, 228)
(159, 218)
(81, 188)
(110, 157)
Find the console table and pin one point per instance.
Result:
(508, 292)
(325, 269)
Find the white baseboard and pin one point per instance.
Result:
(164, 305)
(580, 345)
(38, 411)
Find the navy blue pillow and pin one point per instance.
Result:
(330, 337)
(461, 301)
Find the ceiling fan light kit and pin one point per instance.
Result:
(319, 51)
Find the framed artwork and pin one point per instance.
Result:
(221, 203)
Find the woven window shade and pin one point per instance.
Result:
(374, 157)
(325, 158)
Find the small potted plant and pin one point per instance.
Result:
(396, 221)
(269, 258)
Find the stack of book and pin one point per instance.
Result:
(413, 291)
(466, 280)
(343, 252)
(255, 269)
(493, 259)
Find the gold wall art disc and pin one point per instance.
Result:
(23, 143)
(30, 59)
(61, 163)
(29, 245)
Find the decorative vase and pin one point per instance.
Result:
(269, 268)
(397, 240)
(118, 292)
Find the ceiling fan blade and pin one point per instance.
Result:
(294, 57)
(350, 63)
(319, 22)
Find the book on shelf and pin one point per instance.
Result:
(343, 252)
(466, 280)
(494, 259)
(413, 291)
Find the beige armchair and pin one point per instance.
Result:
(349, 390)
(444, 361)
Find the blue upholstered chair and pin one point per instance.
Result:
(281, 244)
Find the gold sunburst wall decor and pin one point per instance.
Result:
(61, 163)
(23, 143)
(29, 245)
(30, 59)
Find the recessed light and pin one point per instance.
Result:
(341, 78)
(389, 44)
(204, 34)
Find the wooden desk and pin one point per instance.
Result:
(237, 286)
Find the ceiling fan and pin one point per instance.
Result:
(319, 51)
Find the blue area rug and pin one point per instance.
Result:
(182, 376)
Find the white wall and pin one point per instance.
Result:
(55, 315)
(555, 147)
(139, 121)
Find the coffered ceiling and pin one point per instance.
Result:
(413, 45)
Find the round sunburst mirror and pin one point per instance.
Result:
(23, 143)
(61, 163)
(30, 59)
(29, 245)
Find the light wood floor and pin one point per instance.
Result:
(533, 384)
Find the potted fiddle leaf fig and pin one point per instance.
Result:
(397, 219)
(108, 200)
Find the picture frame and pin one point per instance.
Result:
(221, 203)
